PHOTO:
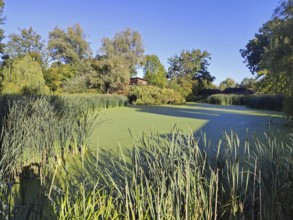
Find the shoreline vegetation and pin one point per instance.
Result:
(49, 172)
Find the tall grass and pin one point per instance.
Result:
(268, 102)
(47, 172)
(181, 177)
(37, 131)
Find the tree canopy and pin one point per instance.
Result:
(189, 69)
(69, 47)
(2, 19)
(118, 60)
(227, 83)
(154, 71)
(27, 42)
(23, 76)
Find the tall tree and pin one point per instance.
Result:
(154, 71)
(190, 66)
(256, 48)
(270, 53)
(70, 47)
(27, 42)
(2, 19)
(279, 57)
(118, 59)
(248, 83)
(227, 83)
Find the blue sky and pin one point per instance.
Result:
(167, 27)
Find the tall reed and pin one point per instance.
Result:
(182, 177)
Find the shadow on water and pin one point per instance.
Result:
(247, 123)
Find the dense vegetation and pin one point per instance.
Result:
(268, 102)
(50, 97)
(269, 54)
(35, 133)
(151, 95)
(44, 148)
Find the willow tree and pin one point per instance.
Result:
(23, 76)
(118, 59)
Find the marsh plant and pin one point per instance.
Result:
(36, 133)
(48, 171)
(182, 177)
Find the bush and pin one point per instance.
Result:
(288, 106)
(268, 102)
(94, 101)
(151, 95)
(223, 99)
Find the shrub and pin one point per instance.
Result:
(223, 99)
(151, 95)
(268, 102)
(288, 106)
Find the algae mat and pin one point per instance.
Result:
(124, 126)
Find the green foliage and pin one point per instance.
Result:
(269, 102)
(181, 177)
(118, 60)
(151, 95)
(182, 85)
(256, 48)
(27, 42)
(127, 45)
(176, 176)
(227, 99)
(112, 74)
(23, 76)
(95, 101)
(154, 71)
(288, 106)
(270, 54)
(189, 71)
(227, 83)
(248, 83)
(37, 134)
(1, 30)
(69, 46)
(57, 74)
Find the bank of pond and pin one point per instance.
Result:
(52, 167)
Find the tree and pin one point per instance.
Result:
(270, 54)
(227, 83)
(118, 60)
(57, 75)
(112, 74)
(248, 83)
(27, 42)
(70, 47)
(256, 48)
(190, 66)
(2, 19)
(23, 75)
(279, 57)
(154, 71)
(127, 45)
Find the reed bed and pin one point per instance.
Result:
(182, 177)
(47, 171)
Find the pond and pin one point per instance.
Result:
(125, 126)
